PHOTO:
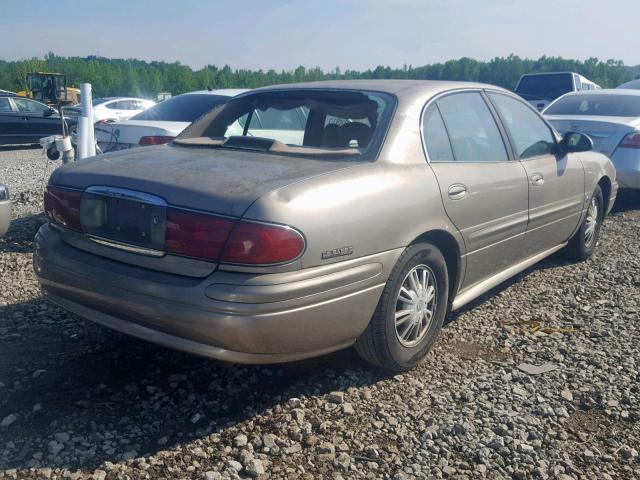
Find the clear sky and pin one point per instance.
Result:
(355, 34)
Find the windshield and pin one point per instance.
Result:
(594, 104)
(298, 121)
(544, 87)
(97, 101)
(183, 108)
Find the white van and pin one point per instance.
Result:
(540, 89)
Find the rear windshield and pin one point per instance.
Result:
(544, 87)
(594, 104)
(183, 108)
(309, 122)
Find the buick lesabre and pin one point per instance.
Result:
(364, 214)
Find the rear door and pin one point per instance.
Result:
(556, 182)
(483, 189)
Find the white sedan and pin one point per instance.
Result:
(612, 119)
(163, 122)
(114, 109)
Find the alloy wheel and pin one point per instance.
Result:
(591, 223)
(415, 305)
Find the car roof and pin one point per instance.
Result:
(404, 89)
(606, 91)
(549, 73)
(632, 84)
(227, 92)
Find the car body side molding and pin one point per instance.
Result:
(484, 286)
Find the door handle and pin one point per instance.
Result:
(25, 118)
(457, 191)
(537, 179)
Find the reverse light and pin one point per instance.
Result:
(253, 243)
(155, 140)
(62, 206)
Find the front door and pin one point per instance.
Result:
(37, 122)
(556, 182)
(483, 190)
(10, 122)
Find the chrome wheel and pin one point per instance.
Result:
(591, 223)
(415, 305)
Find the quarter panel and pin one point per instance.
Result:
(372, 208)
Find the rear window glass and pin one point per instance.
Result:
(544, 87)
(183, 108)
(313, 120)
(594, 104)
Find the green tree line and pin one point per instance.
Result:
(114, 77)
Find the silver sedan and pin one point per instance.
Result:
(611, 118)
(362, 215)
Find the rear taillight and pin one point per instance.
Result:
(631, 141)
(214, 238)
(62, 206)
(155, 140)
(262, 244)
(196, 234)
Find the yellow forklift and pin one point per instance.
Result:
(50, 89)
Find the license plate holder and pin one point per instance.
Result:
(124, 216)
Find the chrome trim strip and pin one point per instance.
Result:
(126, 193)
(128, 248)
(484, 286)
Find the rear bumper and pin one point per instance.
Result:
(627, 163)
(238, 317)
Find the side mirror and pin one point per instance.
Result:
(576, 142)
(48, 112)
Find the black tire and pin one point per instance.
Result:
(379, 344)
(579, 248)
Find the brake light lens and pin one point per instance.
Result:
(262, 244)
(155, 140)
(62, 206)
(631, 141)
(195, 234)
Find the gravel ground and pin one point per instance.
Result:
(79, 401)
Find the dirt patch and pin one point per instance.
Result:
(590, 421)
(476, 351)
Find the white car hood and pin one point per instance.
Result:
(131, 131)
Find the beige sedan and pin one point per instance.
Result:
(352, 212)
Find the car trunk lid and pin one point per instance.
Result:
(130, 132)
(606, 132)
(127, 195)
(220, 181)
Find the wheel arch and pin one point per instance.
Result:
(448, 245)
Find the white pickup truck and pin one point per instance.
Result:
(540, 89)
